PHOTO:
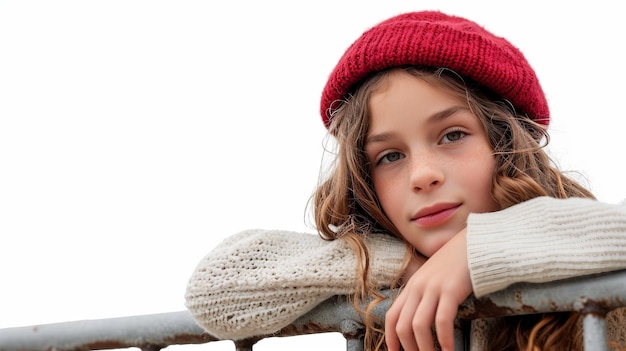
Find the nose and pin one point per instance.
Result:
(426, 172)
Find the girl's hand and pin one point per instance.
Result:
(431, 295)
(416, 263)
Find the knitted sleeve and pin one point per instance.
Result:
(545, 239)
(258, 282)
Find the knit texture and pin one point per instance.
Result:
(257, 282)
(545, 239)
(434, 39)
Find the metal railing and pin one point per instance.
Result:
(593, 296)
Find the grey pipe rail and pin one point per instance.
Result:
(593, 296)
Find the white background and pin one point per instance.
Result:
(136, 135)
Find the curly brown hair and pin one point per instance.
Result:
(346, 205)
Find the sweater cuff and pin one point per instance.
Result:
(544, 239)
(386, 256)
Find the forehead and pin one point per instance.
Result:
(398, 89)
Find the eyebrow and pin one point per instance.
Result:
(436, 117)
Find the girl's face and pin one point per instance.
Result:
(430, 160)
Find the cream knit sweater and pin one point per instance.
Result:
(259, 281)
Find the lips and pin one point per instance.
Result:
(435, 215)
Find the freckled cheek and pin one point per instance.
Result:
(381, 191)
(484, 182)
(388, 194)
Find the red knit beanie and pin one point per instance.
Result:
(437, 40)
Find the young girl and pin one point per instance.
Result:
(440, 127)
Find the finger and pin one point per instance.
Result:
(444, 322)
(391, 319)
(422, 322)
(403, 326)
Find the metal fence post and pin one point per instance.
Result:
(594, 332)
(355, 344)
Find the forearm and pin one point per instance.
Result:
(545, 239)
(257, 282)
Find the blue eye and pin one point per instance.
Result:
(390, 157)
(453, 136)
